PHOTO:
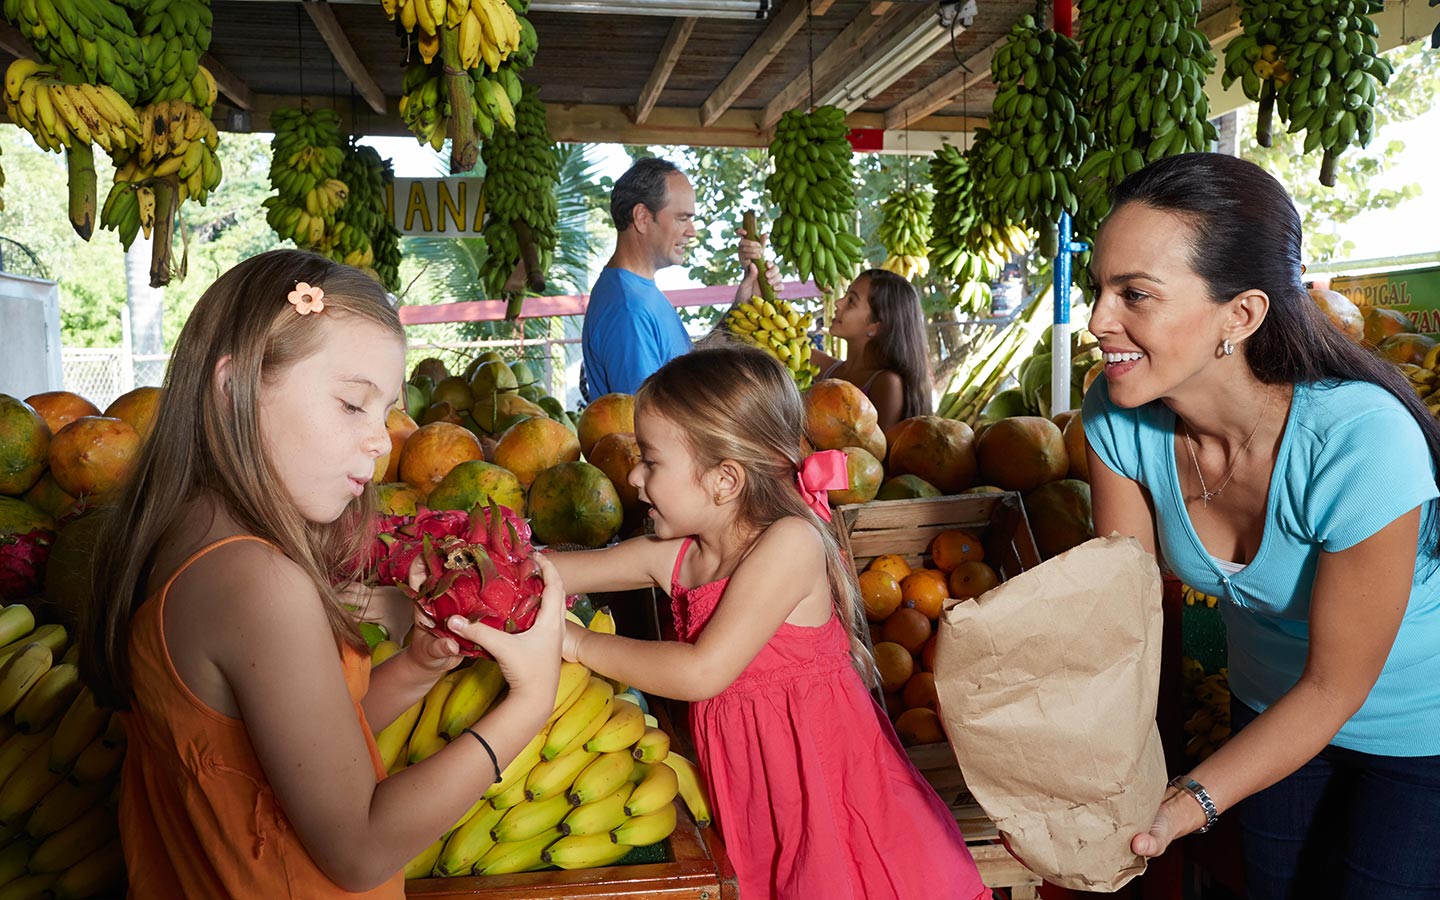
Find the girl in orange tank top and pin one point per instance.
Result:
(219, 632)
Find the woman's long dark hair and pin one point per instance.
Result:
(1246, 236)
(900, 346)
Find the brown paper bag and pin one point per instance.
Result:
(1047, 688)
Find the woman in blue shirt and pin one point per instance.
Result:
(1270, 461)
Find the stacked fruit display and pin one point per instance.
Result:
(905, 222)
(780, 330)
(966, 247)
(521, 177)
(1144, 91)
(597, 781)
(306, 155)
(812, 186)
(1038, 131)
(365, 235)
(59, 769)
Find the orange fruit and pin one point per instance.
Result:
(971, 579)
(609, 414)
(136, 408)
(1074, 434)
(881, 593)
(895, 663)
(920, 692)
(533, 445)
(927, 653)
(93, 455)
(573, 503)
(60, 408)
(865, 475)
(24, 446)
(924, 593)
(951, 548)
(919, 726)
(397, 498)
(400, 426)
(839, 415)
(432, 451)
(892, 563)
(909, 628)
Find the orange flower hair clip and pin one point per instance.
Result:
(307, 299)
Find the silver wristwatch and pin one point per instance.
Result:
(1197, 790)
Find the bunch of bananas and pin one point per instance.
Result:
(521, 177)
(307, 153)
(1337, 65)
(96, 38)
(1425, 379)
(1038, 133)
(780, 330)
(1209, 725)
(598, 780)
(366, 236)
(1253, 59)
(60, 760)
(425, 103)
(965, 246)
(174, 34)
(813, 186)
(905, 231)
(1146, 65)
(59, 114)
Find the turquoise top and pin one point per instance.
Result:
(630, 330)
(1352, 460)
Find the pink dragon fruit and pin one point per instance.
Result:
(22, 563)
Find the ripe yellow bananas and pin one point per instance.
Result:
(657, 790)
(21, 672)
(553, 777)
(625, 726)
(600, 816)
(641, 831)
(692, 789)
(48, 699)
(581, 721)
(605, 774)
(516, 856)
(469, 842)
(472, 697)
(426, 740)
(531, 818)
(584, 851)
(780, 330)
(653, 746)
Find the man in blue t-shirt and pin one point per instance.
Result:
(630, 329)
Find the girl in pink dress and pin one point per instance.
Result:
(813, 793)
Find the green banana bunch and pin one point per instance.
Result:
(1039, 134)
(307, 153)
(365, 235)
(905, 231)
(813, 186)
(521, 177)
(93, 41)
(1338, 68)
(780, 330)
(1253, 59)
(425, 103)
(1144, 89)
(966, 247)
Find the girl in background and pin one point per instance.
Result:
(249, 705)
(814, 794)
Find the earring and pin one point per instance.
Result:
(716, 498)
(1227, 347)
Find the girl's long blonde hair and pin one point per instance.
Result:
(738, 403)
(206, 438)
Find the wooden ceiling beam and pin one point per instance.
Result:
(944, 89)
(826, 67)
(665, 64)
(229, 83)
(778, 32)
(821, 7)
(329, 27)
(1222, 27)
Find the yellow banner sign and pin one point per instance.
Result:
(437, 207)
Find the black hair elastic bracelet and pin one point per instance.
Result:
(493, 761)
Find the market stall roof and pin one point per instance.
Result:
(659, 78)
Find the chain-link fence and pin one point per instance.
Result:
(100, 374)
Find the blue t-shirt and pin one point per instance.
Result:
(630, 330)
(1351, 461)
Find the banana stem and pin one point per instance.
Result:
(530, 253)
(1264, 119)
(167, 202)
(1049, 242)
(464, 145)
(752, 231)
(80, 162)
(1327, 167)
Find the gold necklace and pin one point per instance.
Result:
(1207, 495)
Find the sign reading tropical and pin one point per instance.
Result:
(1415, 292)
(437, 207)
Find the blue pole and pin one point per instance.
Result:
(1060, 331)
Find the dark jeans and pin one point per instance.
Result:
(1347, 825)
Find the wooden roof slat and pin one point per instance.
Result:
(941, 91)
(664, 65)
(329, 27)
(781, 28)
(839, 53)
(229, 83)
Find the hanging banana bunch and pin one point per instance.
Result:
(366, 234)
(813, 186)
(1039, 133)
(1146, 65)
(174, 35)
(966, 248)
(307, 152)
(905, 231)
(521, 177)
(1338, 68)
(96, 39)
(1253, 59)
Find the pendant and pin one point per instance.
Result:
(1207, 496)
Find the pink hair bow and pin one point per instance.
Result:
(820, 473)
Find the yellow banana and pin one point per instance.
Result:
(28, 887)
(48, 699)
(531, 818)
(516, 856)
(17, 749)
(653, 746)
(692, 789)
(81, 724)
(98, 874)
(393, 740)
(27, 787)
(603, 776)
(52, 636)
(382, 652)
(97, 761)
(424, 864)
(16, 620)
(582, 720)
(585, 851)
(574, 678)
(658, 790)
(471, 697)
(600, 816)
(519, 768)
(21, 672)
(13, 859)
(554, 777)
(512, 796)
(625, 726)
(603, 622)
(642, 831)
(75, 841)
(469, 842)
(64, 804)
(426, 740)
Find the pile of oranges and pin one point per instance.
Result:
(903, 604)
